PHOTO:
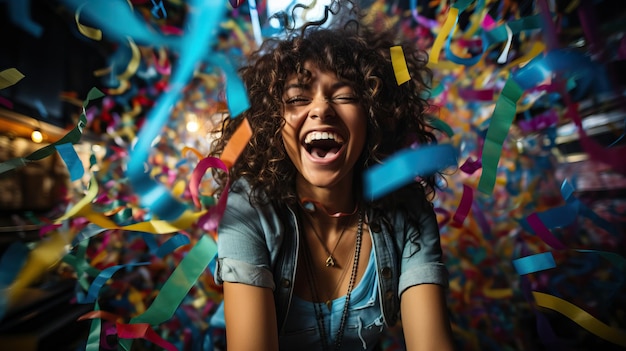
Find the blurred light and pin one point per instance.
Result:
(36, 136)
(192, 123)
(193, 126)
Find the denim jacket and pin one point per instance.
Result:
(258, 245)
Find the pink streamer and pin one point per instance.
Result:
(470, 166)
(198, 173)
(543, 232)
(542, 121)
(464, 207)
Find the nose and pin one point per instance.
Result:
(321, 107)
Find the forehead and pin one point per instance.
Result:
(310, 72)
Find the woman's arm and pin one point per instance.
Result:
(250, 318)
(425, 318)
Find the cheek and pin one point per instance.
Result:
(290, 139)
(359, 132)
(291, 127)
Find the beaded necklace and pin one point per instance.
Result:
(319, 316)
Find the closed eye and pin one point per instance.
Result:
(345, 99)
(297, 100)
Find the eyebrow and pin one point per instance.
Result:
(296, 86)
(304, 86)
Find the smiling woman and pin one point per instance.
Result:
(324, 131)
(306, 262)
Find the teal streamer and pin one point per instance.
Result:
(534, 263)
(499, 33)
(172, 244)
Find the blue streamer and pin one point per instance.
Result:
(102, 278)
(568, 64)
(404, 166)
(236, 93)
(534, 263)
(107, 15)
(204, 18)
(156, 7)
(149, 239)
(89, 231)
(19, 12)
(172, 244)
(72, 161)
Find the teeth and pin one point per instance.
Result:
(323, 136)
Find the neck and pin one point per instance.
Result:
(333, 201)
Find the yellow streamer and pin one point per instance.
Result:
(475, 19)
(155, 226)
(573, 5)
(10, 77)
(581, 317)
(179, 188)
(399, 65)
(89, 32)
(102, 71)
(443, 34)
(133, 64)
(501, 293)
(84, 202)
(444, 66)
(193, 150)
(124, 85)
(534, 51)
(99, 258)
(43, 257)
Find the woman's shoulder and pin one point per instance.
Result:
(241, 205)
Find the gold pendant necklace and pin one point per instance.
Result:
(330, 260)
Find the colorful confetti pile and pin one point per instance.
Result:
(536, 261)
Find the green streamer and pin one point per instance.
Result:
(177, 286)
(72, 136)
(501, 121)
(93, 340)
(443, 126)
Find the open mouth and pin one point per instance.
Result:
(323, 144)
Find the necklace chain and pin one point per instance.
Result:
(310, 205)
(330, 260)
(319, 316)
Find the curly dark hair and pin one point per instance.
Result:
(355, 53)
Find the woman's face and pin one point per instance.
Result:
(325, 128)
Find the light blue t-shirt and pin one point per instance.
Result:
(363, 325)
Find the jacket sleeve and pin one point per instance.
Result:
(421, 261)
(245, 237)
